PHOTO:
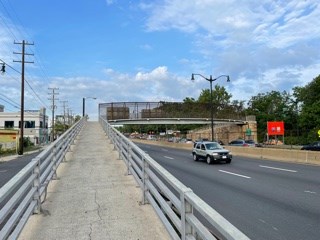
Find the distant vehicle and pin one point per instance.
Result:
(206, 139)
(251, 143)
(239, 142)
(152, 138)
(211, 152)
(315, 146)
(186, 140)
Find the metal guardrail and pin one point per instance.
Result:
(184, 214)
(21, 196)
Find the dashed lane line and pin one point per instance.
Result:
(280, 169)
(168, 157)
(311, 192)
(235, 174)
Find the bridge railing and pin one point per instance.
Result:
(184, 214)
(23, 194)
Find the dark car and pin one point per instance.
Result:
(238, 142)
(315, 146)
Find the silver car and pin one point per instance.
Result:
(211, 152)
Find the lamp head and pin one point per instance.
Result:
(228, 78)
(192, 77)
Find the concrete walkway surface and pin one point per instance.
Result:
(94, 198)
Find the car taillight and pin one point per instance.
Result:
(246, 145)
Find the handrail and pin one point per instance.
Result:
(177, 205)
(21, 196)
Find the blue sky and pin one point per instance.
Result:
(117, 50)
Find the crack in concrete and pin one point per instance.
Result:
(98, 209)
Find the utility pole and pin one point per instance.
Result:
(53, 107)
(64, 114)
(23, 53)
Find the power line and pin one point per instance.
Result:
(8, 9)
(13, 103)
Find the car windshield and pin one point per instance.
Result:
(213, 146)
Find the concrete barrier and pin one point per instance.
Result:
(285, 155)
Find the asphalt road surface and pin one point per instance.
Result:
(264, 199)
(10, 168)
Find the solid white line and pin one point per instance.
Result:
(310, 192)
(168, 157)
(234, 174)
(280, 169)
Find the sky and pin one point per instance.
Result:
(146, 50)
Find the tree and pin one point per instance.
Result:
(270, 106)
(308, 98)
(189, 100)
(77, 118)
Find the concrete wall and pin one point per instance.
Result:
(226, 132)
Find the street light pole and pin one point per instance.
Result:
(210, 79)
(84, 104)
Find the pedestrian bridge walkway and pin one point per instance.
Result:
(94, 197)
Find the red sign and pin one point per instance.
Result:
(275, 128)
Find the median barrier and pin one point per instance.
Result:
(286, 155)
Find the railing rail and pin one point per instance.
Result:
(21, 196)
(184, 214)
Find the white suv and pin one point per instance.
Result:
(211, 152)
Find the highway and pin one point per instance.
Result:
(264, 199)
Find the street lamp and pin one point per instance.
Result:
(84, 104)
(211, 97)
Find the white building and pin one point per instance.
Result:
(35, 124)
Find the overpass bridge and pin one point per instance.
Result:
(229, 123)
(170, 112)
(78, 188)
(176, 121)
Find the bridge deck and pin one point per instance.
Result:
(93, 197)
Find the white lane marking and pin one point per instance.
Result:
(168, 157)
(280, 169)
(3, 171)
(234, 174)
(269, 225)
(310, 192)
(165, 150)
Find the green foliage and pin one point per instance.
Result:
(77, 118)
(27, 142)
(220, 97)
(308, 99)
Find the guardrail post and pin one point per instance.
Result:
(36, 184)
(145, 178)
(186, 208)
(54, 162)
(120, 149)
(129, 159)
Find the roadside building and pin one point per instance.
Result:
(35, 125)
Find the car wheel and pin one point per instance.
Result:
(209, 160)
(228, 161)
(195, 157)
